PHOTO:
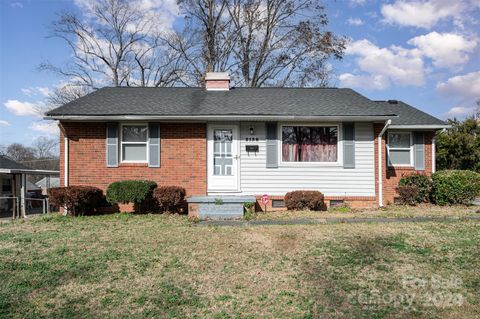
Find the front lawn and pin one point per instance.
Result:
(146, 266)
(393, 211)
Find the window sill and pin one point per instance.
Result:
(133, 165)
(402, 167)
(310, 164)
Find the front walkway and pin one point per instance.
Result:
(320, 221)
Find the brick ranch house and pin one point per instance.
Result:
(222, 142)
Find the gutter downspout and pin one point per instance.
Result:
(380, 166)
(434, 168)
(65, 169)
(65, 176)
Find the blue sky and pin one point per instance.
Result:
(424, 52)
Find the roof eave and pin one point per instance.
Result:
(420, 126)
(28, 171)
(218, 117)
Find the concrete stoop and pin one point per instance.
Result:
(217, 207)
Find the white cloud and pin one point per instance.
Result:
(162, 13)
(16, 5)
(465, 90)
(445, 49)
(466, 87)
(374, 82)
(357, 2)
(24, 108)
(50, 128)
(355, 21)
(386, 65)
(4, 123)
(38, 90)
(422, 14)
(459, 111)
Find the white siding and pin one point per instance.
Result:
(256, 179)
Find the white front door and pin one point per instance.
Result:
(223, 157)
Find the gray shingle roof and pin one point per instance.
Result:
(6, 163)
(137, 101)
(407, 114)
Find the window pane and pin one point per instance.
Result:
(134, 133)
(134, 152)
(399, 157)
(399, 140)
(222, 152)
(309, 144)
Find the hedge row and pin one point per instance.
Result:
(81, 200)
(443, 188)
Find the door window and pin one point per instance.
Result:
(222, 152)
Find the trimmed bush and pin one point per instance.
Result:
(301, 200)
(408, 194)
(134, 191)
(423, 184)
(455, 187)
(170, 198)
(79, 200)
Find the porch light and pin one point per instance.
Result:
(251, 130)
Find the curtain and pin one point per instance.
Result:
(309, 144)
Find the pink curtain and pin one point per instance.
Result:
(315, 144)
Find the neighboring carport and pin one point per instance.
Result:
(14, 184)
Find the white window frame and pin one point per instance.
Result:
(131, 143)
(339, 161)
(400, 149)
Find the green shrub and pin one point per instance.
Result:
(455, 187)
(300, 200)
(135, 191)
(340, 208)
(408, 194)
(423, 184)
(78, 200)
(170, 198)
(249, 208)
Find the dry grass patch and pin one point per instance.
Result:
(389, 211)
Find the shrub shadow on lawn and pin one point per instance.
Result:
(339, 273)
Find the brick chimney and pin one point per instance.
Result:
(217, 81)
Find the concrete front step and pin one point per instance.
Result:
(218, 207)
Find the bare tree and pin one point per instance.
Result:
(262, 42)
(45, 147)
(66, 93)
(43, 154)
(114, 43)
(19, 152)
(203, 45)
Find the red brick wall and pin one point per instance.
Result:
(352, 201)
(183, 160)
(217, 84)
(392, 175)
(183, 157)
